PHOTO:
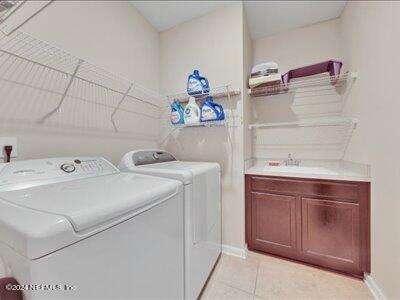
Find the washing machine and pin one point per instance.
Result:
(78, 228)
(202, 204)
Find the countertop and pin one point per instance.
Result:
(316, 169)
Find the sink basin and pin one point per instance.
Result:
(300, 169)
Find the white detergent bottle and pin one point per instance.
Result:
(192, 112)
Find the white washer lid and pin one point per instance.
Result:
(179, 170)
(76, 206)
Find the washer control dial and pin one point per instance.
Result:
(156, 156)
(68, 168)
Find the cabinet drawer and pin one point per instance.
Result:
(346, 191)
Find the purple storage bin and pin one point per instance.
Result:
(331, 66)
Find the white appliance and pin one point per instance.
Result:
(81, 222)
(202, 193)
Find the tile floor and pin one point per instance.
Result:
(265, 277)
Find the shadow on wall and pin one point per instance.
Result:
(313, 142)
(276, 108)
(214, 144)
(201, 144)
(304, 103)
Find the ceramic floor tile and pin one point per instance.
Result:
(256, 255)
(220, 291)
(263, 277)
(336, 286)
(238, 273)
(207, 289)
(280, 281)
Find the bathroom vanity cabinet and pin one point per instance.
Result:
(321, 222)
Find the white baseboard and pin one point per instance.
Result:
(374, 288)
(234, 251)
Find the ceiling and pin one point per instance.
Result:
(271, 17)
(164, 15)
(263, 17)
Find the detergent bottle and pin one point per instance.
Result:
(177, 113)
(211, 111)
(197, 85)
(192, 112)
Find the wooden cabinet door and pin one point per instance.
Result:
(273, 224)
(331, 234)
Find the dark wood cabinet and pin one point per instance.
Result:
(279, 210)
(331, 234)
(321, 222)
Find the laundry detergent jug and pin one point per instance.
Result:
(197, 85)
(192, 112)
(211, 111)
(177, 112)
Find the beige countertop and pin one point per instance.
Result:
(333, 170)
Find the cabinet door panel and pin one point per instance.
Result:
(273, 223)
(330, 234)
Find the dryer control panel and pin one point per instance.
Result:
(146, 157)
(49, 170)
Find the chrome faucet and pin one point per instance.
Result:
(291, 162)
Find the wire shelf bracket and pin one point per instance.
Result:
(119, 105)
(64, 95)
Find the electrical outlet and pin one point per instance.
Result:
(4, 141)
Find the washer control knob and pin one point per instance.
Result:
(156, 156)
(68, 168)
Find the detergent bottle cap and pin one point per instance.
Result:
(196, 72)
(192, 100)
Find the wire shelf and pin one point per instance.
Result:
(202, 124)
(216, 93)
(309, 138)
(44, 84)
(229, 123)
(8, 7)
(318, 122)
(303, 85)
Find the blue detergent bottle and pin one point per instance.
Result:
(211, 111)
(197, 85)
(177, 112)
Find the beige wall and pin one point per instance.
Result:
(112, 35)
(300, 47)
(293, 49)
(247, 101)
(370, 32)
(214, 45)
